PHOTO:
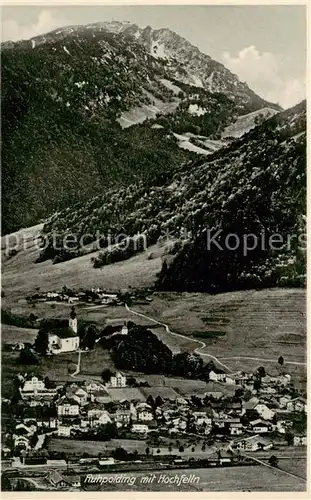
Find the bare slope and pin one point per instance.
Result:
(252, 324)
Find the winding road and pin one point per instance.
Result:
(197, 351)
(203, 345)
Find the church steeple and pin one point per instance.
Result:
(73, 322)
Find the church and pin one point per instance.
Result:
(64, 339)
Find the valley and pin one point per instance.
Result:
(136, 338)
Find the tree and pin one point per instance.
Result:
(147, 451)
(33, 440)
(158, 401)
(158, 450)
(261, 372)
(273, 461)
(203, 447)
(90, 337)
(257, 383)
(289, 437)
(150, 401)
(6, 483)
(42, 342)
(28, 357)
(170, 448)
(181, 449)
(281, 360)
(193, 449)
(120, 454)
(106, 374)
(49, 384)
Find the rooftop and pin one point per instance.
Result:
(64, 332)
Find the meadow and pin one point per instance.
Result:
(239, 479)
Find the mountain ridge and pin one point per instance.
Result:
(65, 94)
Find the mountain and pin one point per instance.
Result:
(255, 186)
(87, 109)
(248, 224)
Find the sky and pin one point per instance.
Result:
(264, 45)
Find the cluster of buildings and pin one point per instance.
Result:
(95, 294)
(249, 419)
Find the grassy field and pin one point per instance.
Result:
(10, 367)
(11, 334)
(75, 446)
(262, 324)
(252, 478)
(297, 466)
(119, 394)
(21, 276)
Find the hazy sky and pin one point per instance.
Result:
(264, 45)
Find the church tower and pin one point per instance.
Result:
(73, 322)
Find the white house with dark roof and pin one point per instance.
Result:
(253, 443)
(67, 407)
(64, 339)
(118, 380)
(33, 384)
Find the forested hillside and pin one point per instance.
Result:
(256, 185)
(69, 98)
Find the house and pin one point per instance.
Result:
(124, 329)
(47, 422)
(284, 400)
(144, 415)
(268, 390)
(229, 380)
(77, 393)
(284, 379)
(260, 427)
(201, 418)
(67, 407)
(143, 412)
(106, 461)
(300, 440)
(250, 404)
(140, 428)
(33, 384)
(21, 441)
(241, 378)
(52, 295)
(254, 443)
(98, 415)
(57, 480)
(19, 346)
(92, 387)
(214, 394)
(122, 417)
(107, 298)
(118, 380)
(297, 404)
(64, 430)
(64, 339)
(264, 412)
(236, 428)
(220, 376)
(74, 481)
(283, 425)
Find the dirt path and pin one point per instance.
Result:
(203, 345)
(276, 469)
(197, 351)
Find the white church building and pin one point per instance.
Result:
(64, 339)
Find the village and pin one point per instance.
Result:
(120, 419)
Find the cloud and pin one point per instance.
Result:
(47, 21)
(262, 72)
